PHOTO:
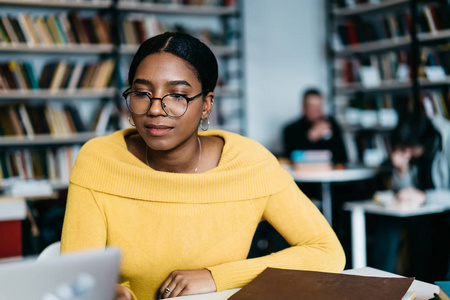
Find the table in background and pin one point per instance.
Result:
(424, 291)
(358, 209)
(13, 211)
(325, 178)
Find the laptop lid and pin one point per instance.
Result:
(87, 275)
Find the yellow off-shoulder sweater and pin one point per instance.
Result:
(170, 221)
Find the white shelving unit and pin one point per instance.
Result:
(409, 89)
(117, 50)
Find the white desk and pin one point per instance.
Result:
(424, 291)
(325, 178)
(358, 210)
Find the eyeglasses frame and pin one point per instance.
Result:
(188, 99)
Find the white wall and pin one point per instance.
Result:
(285, 52)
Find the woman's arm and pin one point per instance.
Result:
(85, 228)
(314, 245)
(84, 223)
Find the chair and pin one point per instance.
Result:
(51, 251)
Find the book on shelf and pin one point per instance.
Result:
(50, 119)
(56, 76)
(373, 70)
(55, 29)
(186, 2)
(52, 163)
(295, 284)
(375, 28)
(136, 28)
(436, 104)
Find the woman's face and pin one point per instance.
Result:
(160, 74)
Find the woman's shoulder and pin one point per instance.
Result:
(100, 143)
(238, 147)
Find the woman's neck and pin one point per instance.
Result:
(183, 159)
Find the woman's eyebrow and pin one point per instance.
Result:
(142, 81)
(178, 82)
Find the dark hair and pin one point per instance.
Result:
(415, 130)
(309, 92)
(186, 47)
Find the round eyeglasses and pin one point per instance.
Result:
(174, 105)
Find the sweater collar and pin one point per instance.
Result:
(246, 170)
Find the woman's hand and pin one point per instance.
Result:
(400, 159)
(411, 197)
(122, 293)
(187, 282)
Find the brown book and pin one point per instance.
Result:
(294, 284)
(97, 28)
(89, 29)
(6, 126)
(86, 80)
(70, 122)
(13, 116)
(4, 85)
(8, 76)
(78, 27)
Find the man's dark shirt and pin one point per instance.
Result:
(295, 138)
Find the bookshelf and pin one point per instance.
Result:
(386, 58)
(62, 72)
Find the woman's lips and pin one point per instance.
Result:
(158, 130)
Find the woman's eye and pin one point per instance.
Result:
(178, 97)
(140, 94)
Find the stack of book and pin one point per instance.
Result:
(54, 29)
(312, 160)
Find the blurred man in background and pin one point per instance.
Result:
(314, 130)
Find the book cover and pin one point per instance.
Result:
(18, 130)
(444, 287)
(8, 76)
(3, 34)
(9, 29)
(26, 30)
(49, 21)
(293, 284)
(43, 31)
(31, 77)
(75, 76)
(60, 30)
(47, 75)
(18, 31)
(78, 27)
(17, 74)
(67, 28)
(25, 118)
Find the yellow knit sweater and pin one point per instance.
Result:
(170, 221)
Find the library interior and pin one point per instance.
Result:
(224, 148)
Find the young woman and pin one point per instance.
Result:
(182, 205)
(421, 164)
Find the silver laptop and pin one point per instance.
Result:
(88, 275)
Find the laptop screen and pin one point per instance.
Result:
(87, 275)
